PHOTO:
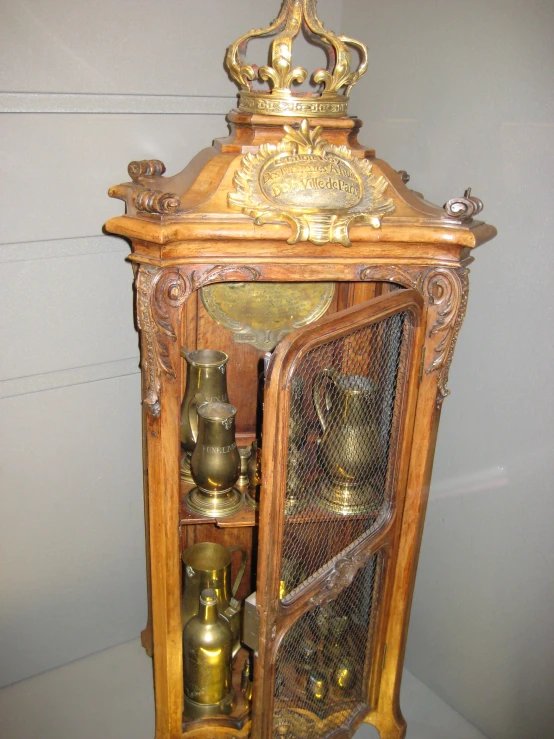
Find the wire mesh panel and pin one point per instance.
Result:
(341, 399)
(323, 661)
(343, 435)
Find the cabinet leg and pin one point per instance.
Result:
(389, 725)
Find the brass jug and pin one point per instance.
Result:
(215, 463)
(208, 565)
(349, 450)
(207, 641)
(206, 383)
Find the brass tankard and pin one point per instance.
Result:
(349, 450)
(206, 383)
(215, 463)
(208, 565)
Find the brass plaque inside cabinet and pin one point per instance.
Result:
(263, 313)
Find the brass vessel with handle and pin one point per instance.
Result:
(206, 383)
(349, 450)
(208, 565)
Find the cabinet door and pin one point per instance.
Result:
(338, 418)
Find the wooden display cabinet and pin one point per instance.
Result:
(399, 300)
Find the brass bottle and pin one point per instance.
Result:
(207, 655)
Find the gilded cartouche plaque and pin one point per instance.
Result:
(263, 313)
(317, 188)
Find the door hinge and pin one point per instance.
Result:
(421, 364)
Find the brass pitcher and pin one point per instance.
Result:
(349, 450)
(206, 383)
(208, 565)
(215, 463)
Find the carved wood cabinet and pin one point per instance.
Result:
(291, 196)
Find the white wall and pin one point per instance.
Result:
(461, 95)
(86, 88)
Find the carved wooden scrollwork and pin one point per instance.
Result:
(446, 292)
(157, 202)
(158, 292)
(340, 576)
(464, 209)
(220, 273)
(145, 168)
(398, 275)
(161, 293)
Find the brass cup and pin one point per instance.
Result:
(215, 463)
(307, 657)
(320, 622)
(245, 452)
(292, 574)
(338, 626)
(334, 646)
(344, 674)
(317, 686)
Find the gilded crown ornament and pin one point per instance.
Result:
(331, 101)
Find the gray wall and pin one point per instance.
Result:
(461, 95)
(86, 88)
(458, 96)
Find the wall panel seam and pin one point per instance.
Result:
(78, 246)
(115, 104)
(58, 379)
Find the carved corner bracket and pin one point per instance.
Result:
(446, 293)
(161, 293)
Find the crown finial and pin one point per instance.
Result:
(336, 81)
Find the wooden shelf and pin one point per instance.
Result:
(313, 514)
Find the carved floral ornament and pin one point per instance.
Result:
(161, 292)
(319, 189)
(342, 573)
(446, 291)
